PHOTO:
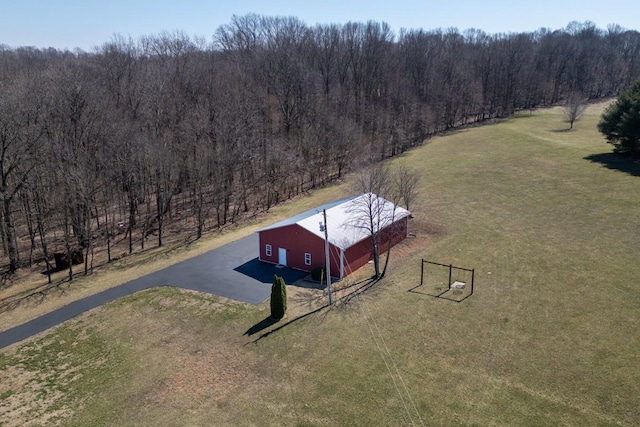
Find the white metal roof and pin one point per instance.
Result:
(348, 220)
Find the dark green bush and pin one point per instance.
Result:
(278, 298)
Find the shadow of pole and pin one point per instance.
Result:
(266, 334)
(266, 322)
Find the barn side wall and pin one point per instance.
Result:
(298, 241)
(395, 234)
(359, 254)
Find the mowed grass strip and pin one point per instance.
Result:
(548, 338)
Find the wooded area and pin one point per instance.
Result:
(118, 143)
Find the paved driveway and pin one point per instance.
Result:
(231, 271)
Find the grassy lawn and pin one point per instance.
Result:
(548, 338)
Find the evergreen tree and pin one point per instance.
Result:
(278, 298)
(620, 122)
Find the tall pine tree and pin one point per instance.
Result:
(620, 122)
(278, 298)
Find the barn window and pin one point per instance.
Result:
(307, 258)
(267, 250)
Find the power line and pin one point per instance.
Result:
(378, 340)
(395, 366)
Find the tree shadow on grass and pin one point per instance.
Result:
(268, 321)
(265, 323)
(616, 161)
(368, 283)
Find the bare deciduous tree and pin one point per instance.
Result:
(372, 210)
(405, 185)
(18, 137)
(574, 108)
(137, 130)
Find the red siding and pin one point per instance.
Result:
(396, 233)
(359, 254)
(297, 241)
(356, 256)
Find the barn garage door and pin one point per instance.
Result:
(282, 256)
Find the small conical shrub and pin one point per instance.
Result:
(284, 293)
(278, 298)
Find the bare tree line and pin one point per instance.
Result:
(118, 143)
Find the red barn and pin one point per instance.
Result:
(299, 242)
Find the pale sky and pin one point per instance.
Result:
(67, 24)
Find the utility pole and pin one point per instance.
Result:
(326, 255)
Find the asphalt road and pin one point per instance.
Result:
(231, 271)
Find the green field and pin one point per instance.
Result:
(547, 218)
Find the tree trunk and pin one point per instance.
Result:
(160, 230)
(67, 246)
(10, 232)
(391, 236)
(376, 256)
(199, 214)
(133, 205)
(29, 220)
(42, 234)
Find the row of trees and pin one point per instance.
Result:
(134, 135)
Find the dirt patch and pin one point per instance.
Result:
(195, 358)
(29, 404)
(199, 374)
(27, 398)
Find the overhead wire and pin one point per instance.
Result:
(380, 344)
